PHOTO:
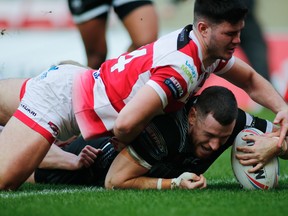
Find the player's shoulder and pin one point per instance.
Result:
(158, 139)
(170, 41)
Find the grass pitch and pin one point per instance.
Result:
(223, 196)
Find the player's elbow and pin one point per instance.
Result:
(113, 182)
(123, 130)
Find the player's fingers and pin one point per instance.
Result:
(94, 150)
(250, 138)
(245, 149)
(249, 162)
(86, 164)
(89, 153)
(282, 136)
(198, 184)
(256, 168)
(272, 134)
(87, 161)
(204, 185)
(82, 162)
(246, 156)
(195, 177)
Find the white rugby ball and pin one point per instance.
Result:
(263, 179)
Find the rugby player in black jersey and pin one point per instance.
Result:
(173, 151)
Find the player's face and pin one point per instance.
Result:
(222, 39)
(207, 135)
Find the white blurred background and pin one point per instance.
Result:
(37, 33)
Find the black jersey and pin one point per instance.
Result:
(167, 152)
(163, 146)
(92, 176)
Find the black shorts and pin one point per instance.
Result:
(93, 176)
(85, 10)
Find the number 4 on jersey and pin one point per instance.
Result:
(125, 59)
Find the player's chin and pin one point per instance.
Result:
(229, 53)
(203, 153)
(227, 56)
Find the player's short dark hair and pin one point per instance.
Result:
(217, 11)
(220, 102)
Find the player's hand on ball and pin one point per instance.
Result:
(189, 180)
(258, 155)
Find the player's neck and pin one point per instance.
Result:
(206, 59)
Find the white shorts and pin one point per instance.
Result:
(46, 106)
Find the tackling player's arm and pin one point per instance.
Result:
(265, 147)
(261, 91)
(56, 158)
(128, 172)
(136, 114)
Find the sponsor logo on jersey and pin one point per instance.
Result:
(44, 74)
(54, 67)
(190, 71)
(30, 111)
(154, 142)
(54, 128)
(175, 87)
(96, 74)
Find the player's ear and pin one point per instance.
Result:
(192, 116)
(202, 28)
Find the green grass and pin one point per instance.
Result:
(222, 197)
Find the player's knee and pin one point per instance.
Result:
(8, 181)
(6, 184)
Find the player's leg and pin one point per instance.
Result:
(9, 98)
(141, 21)
(21, 151)
(93, 33)
(91, 18)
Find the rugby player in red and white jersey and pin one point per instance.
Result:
(164, 149)
(124, 95)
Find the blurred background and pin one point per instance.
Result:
(37, 33)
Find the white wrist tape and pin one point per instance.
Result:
(175, 183)
(159, 184)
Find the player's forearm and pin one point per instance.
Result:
(186, 180)
(259, 90)
(56, 158)
(141, 183)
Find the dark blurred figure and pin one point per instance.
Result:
(253, 42)
(91, 17)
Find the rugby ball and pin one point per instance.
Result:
(263, 179)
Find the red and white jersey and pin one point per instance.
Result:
(172, 66)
